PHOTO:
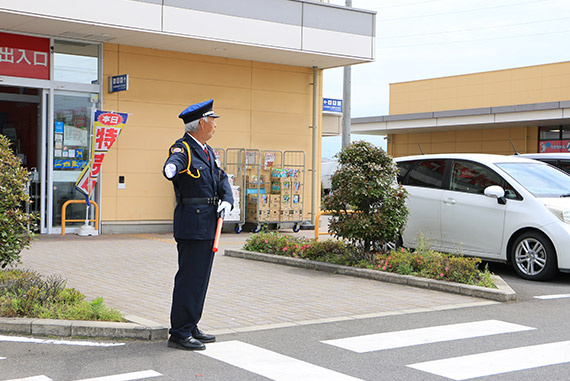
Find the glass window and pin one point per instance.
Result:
(428, 173)
(472, 177)
(549, 133)
(565, 132)
(540, 179)
(564, 165)
(403, 168)
(71, 149)
(76, 62)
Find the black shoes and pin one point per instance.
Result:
(189, 343)
(203, 337)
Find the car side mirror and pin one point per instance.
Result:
(496, 192)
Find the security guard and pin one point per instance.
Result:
(202, 193)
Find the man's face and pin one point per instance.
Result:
(207, 128)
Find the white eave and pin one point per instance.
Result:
(289, 32)
(526, 115)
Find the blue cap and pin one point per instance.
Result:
(198, 111)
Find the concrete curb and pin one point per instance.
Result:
(504, 293)
(136, 328)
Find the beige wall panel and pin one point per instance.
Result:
(443, 147)
(421, 138)
(111, 158)
(468, 135)
(144, 208)
(502, 147)
(279, 102)
(469, 146)
(108, 208)
(495, 134)
(414, 149)
(443, 136)
(184, 71)
(292, 82)
(182, 94)
(141, 161)
(531, 84)
(518, 133)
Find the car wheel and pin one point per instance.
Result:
(533, 256)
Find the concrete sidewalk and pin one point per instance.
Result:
(134, 273)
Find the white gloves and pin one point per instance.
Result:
(170, 170)
(224, 209)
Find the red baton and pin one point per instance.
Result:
(218, 234)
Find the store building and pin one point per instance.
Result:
(526, 108)
(260, 60)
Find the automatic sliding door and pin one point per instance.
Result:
(71, 149)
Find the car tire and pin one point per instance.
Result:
(533, 256)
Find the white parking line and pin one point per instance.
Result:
(398, 339)
(16, 339)
(491, 363)
(269, 364)
(126, 376)
(554, 296)
(35, 378)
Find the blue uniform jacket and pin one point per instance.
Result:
(204, 180)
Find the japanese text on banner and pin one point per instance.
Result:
(106, 130)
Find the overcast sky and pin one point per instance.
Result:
(419, 39)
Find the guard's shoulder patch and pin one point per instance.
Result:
(177, 150)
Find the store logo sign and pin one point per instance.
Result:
(24, 56)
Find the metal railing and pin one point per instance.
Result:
(317, 218)
(64, 220)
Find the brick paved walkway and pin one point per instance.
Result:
(134, 273)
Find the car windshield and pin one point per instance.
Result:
(539, 179)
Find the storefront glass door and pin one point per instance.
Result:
(70, 151)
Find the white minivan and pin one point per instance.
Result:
(499, 208)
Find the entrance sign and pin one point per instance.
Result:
(118, 83)
(24, 56)
(332, 105)
(106, 129)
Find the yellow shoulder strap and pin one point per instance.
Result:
(187, 170)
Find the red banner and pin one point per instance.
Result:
(24, 56)
(554, 146)
(107, 127)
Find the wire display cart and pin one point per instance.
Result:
(294, 163)
(233, 164)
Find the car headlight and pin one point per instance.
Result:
(562, 214)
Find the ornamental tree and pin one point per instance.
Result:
(367, 204)
(15, 223)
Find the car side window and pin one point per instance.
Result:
(427, 173)
(403, 168)
(471, 177)
(564, 165)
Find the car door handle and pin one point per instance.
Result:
(449, 201)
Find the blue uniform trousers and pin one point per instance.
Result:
(195, 258)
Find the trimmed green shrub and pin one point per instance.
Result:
(366, 184)
(15, 223)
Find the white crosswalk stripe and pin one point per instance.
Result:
(270, 364)
(508, 360)
(126, 376)
(555, 296)
(35, 378)
(398, 339)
